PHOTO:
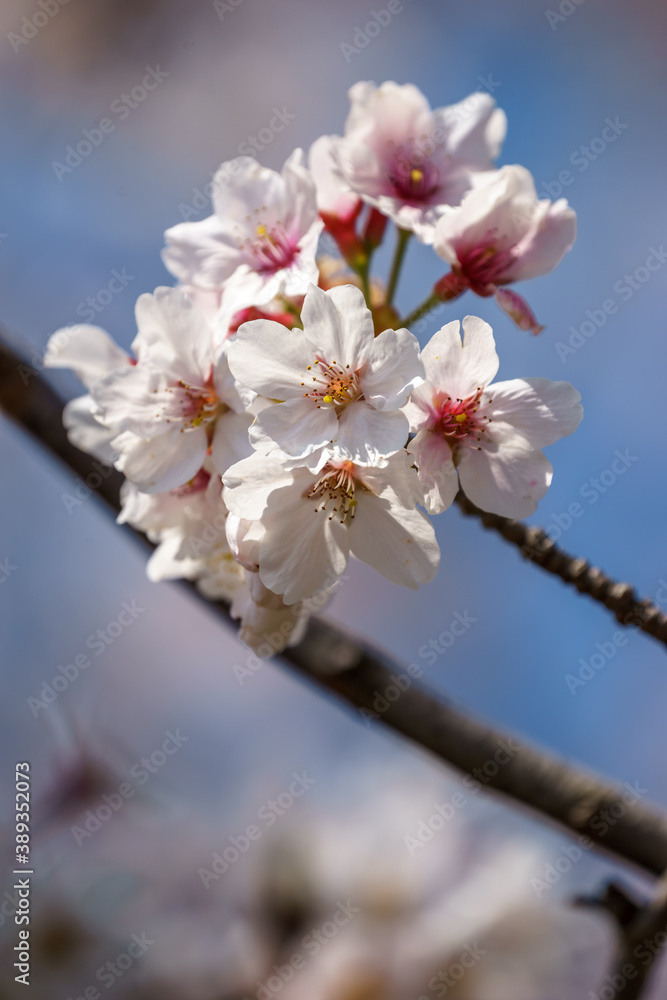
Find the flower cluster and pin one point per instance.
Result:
(275, 416)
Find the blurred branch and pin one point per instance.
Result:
(363, 676)
(536, 546)
(642, 935)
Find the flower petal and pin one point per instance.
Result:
(518, 310)
(508, 477)
(85, 431)
(297, 427)
(161, 463)
(249, 483)
(438, 477)
(393, 370)
(173, 335)
(230, 441)
(367, 436)
(340, 323)
(303, 552)
(461, 367)
(88, 350)
(540, 410)
(399, 543)
(270, 359)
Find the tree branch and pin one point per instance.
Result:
(358, 673)
(536, 546)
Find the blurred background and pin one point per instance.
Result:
(560, 73)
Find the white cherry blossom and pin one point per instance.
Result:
(176, 403)
(502, 233)
(486, 436)
(187, 524)
(340, 388)
(408, 160)
(91, 354)
(312, 521)
(261, 240)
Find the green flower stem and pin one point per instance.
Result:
(427, 305)
(401, 246)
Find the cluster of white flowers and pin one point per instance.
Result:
(272, 420)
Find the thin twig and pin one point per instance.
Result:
(384, 691)
(536, 546)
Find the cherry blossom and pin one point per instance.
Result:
(261, 240)
(312, 521)
(176, 403)
(408, 160)
(501, 233)
(340, 387)
(91, 354)
(486, 436)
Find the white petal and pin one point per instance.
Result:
(202, 253)
(399, 543)
(298, 427)
(540, 410)
(395, 476)
(164, 564)
(438, 477)
(393, 369)
(340, 323)
(230, 442)
(461, 367)
(161, 463)
(270, 359)
(333, 196)
(507, 477)
(366, 436)
(134, 398)
(249, 483)
(548, 242)
(86, 432)
(88, 350)
(302, 552)
(173, 335)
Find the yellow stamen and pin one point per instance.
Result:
(328, 399)
(416, 176)
(460, 417)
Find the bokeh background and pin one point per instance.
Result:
(559, 77)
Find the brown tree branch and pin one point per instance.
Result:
(536, 546)
(369, 680)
